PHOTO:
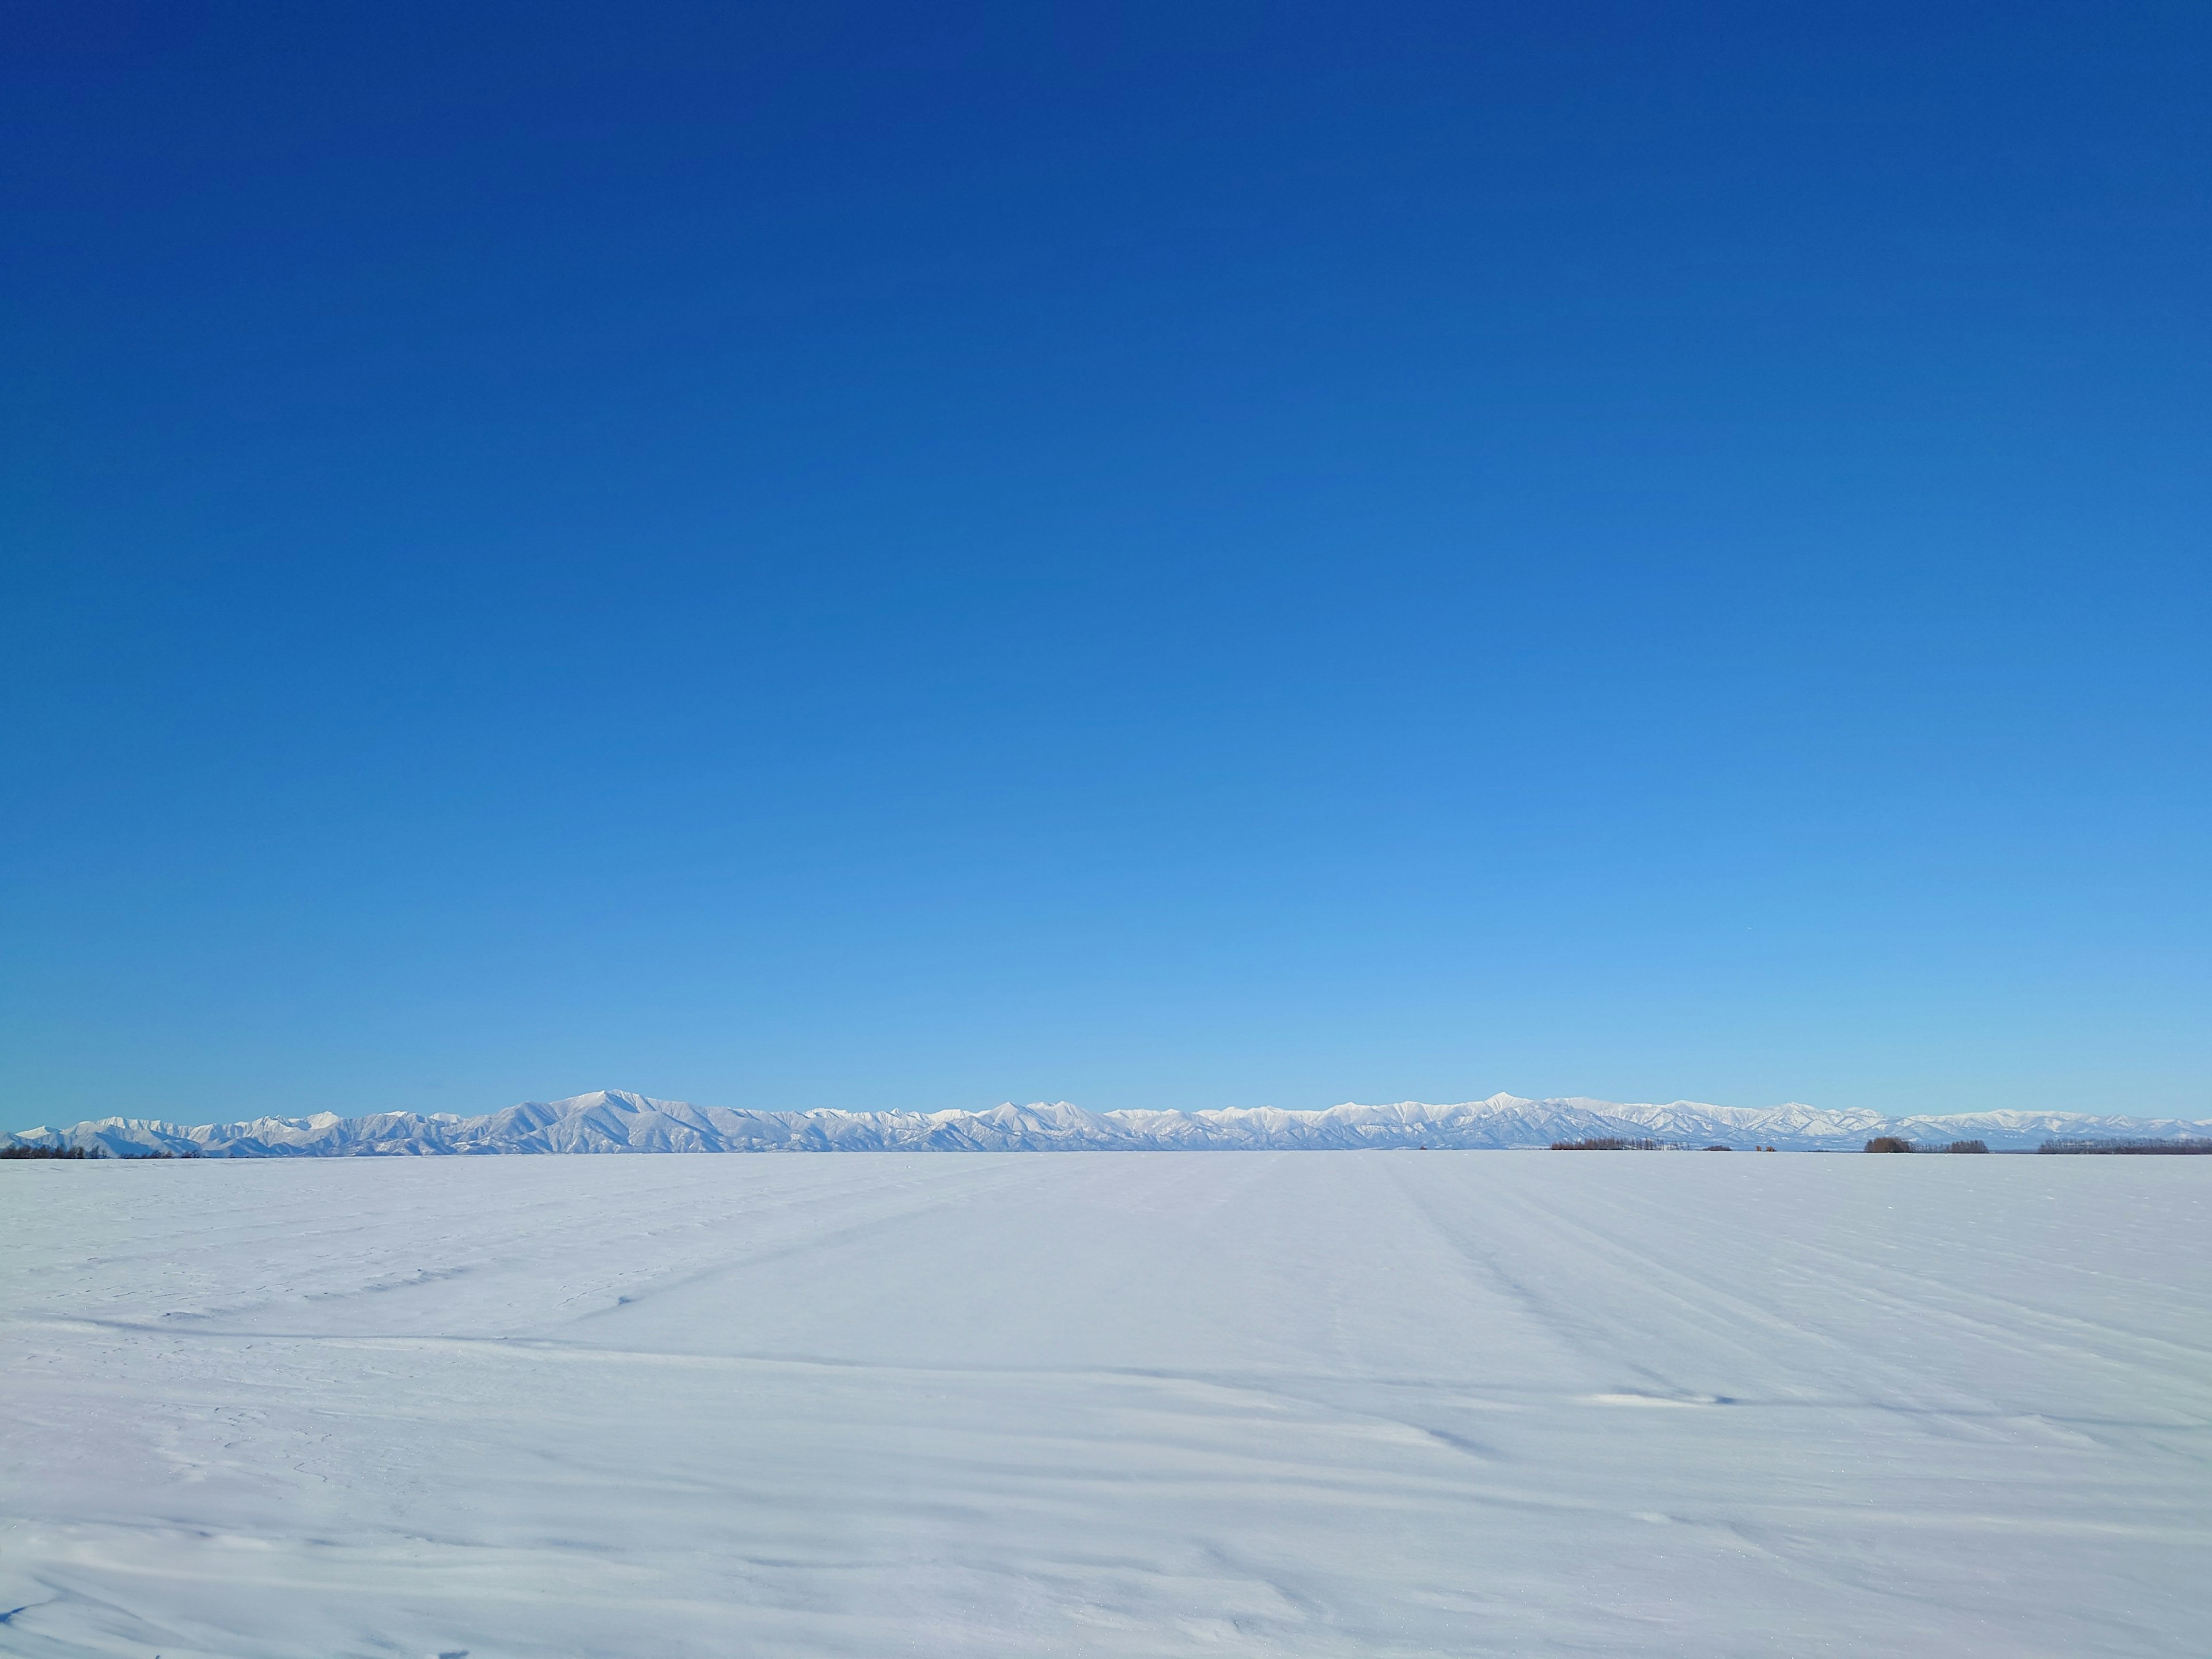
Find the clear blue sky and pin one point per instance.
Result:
(1156, 554)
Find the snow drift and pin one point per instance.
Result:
(1242, 1407)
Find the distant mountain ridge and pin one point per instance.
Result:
(614, 1121)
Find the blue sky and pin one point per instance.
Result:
(849, 556)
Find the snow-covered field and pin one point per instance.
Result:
(1145, 1403)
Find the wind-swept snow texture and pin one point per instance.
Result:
(1237, 1404)
(612, 1120)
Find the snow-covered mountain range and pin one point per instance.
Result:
(612, 1121)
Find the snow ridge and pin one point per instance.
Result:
(615, 1121)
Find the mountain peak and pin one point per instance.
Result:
(618, 1120)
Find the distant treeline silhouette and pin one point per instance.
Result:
(81, 1152)
(2138, 1148)
(1899, 1144)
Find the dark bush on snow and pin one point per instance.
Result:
(1889, 1144)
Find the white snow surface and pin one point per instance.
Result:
(615, 1121)
(1241, 1404)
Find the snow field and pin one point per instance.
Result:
(1107, 1404)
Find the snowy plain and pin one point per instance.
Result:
(1310, 1403)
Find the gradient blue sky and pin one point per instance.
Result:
(838, 555)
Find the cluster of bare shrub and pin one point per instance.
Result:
(1899, 1144)
(1622, 1144)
